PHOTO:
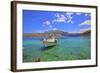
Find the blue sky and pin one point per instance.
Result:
(41, 21)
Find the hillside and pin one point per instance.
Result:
(57, 34)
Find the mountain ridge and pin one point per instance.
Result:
(57, 33)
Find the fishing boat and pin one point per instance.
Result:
(50, 41)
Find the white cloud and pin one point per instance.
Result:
(87, 14)
(70, 21)
(60, 18)
(54, 28)
(69, 13)
(47, 22)
(69, 17)
(57, 15)
(63, 17)
(78, 13)
(83, 30)
(87, 22)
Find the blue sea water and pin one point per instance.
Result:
(67, 48)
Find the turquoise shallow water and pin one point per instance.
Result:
(68, 48)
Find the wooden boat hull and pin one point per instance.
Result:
(49, 44)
